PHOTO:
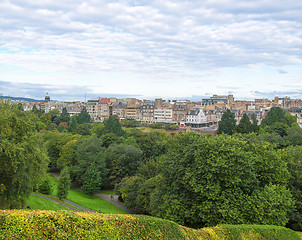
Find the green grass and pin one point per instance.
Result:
(111, 192)
(37, 203)
(92, 202)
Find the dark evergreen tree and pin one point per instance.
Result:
(245, 125)
(278, 115)
(255, 126)
(228, 123)
(64, 117)
(73, 124)
(83, 117)
(92, 180)
(83, 129)
(45, 187)
(20, 107)
(64, 184)
(36, 111)
(113, 125)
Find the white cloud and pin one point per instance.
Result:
(157, 40)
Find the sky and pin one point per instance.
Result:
(149, 49)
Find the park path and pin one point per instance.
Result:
(76, 205)
(53, 200)
(113, 200)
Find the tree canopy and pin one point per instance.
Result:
(22, 163)
(206, 180)
(245, 125)
(227, 124)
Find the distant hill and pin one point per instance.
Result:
(20, 99)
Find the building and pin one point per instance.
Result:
(45, 106)
(180, 110)
(133, 112)
(92, 107)
(163, 111)
(148, 111)
(196, 118)
(297, 112)
(118, 109)
(104, 110)
(229, 99)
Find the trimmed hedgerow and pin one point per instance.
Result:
(22, 224)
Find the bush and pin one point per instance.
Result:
(16, 224)
(45, 187)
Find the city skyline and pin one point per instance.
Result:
(150, 49)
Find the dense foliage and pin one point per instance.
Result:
(227, 124)
(70, 225)
(64, 184)
(206, 180)
(22, 163)
(253, 176)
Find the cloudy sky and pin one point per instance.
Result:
(146, 49)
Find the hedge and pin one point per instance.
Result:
(35, 224)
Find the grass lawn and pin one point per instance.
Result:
(37, 203)
(92, 202)
(111, 192)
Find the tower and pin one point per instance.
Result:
(47, 97)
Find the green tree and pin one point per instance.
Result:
(227, 124)
(83, 129)
(112, 125)
(45, 186)
(65, 115)
(131, 141)
(40, 126)
(97, 129)
(152, 144)
(67, 154)
(22, 162)
(73, 124)
(46, 118)
(83, 116)
(20, 107)
(294, 136)
(109, 139)
(255, 126)
(64, 184)
(210, 180)
(278, 115)
(92, 180)
(36, 111)
(295, 185)
(123, 161)
(89, 153)
(214, 180)
(54, 113)
(245, 125)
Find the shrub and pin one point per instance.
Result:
(45, 187)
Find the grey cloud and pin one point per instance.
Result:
(57, 92)
(152, 36)
(295, 94)
(281, 71)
